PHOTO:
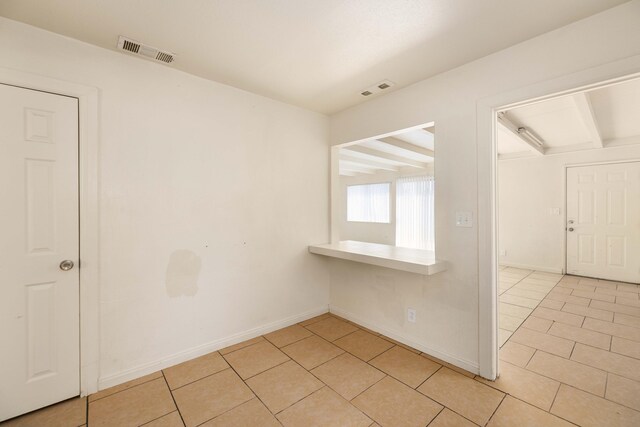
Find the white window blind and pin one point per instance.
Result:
(368, 202)
(415, 226)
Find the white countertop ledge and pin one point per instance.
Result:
(413, 260)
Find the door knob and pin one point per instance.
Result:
(66, 265)
(570, 228)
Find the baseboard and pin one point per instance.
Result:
(461, 363)
(532, 267)
(183, 356)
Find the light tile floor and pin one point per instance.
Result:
(573, 359)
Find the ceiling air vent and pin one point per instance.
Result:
(144, 50)
(376, 88)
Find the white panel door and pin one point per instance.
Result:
(603, 221)
(39, 302)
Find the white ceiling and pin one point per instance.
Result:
(317, 54)
(607, 116)
(405, 151)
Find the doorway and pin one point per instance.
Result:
(40, 301)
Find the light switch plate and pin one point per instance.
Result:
(554, 211)
(464, 219)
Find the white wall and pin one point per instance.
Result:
(531, 236)
(209, 196)
(447, 304)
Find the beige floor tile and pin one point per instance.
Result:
(514, 310)
(249, 414)
(628, 287)
(209, 397)
(527, 293)
(588, 410)
(569, 372)
(315, 319)
(626, 347)
(332, 328)
(170, 420)
(193, 370)
(311, 352)
(348, 375)
(585, 336)
(463, 395)
(593, 295)
(558, 316)
(513, 412)
(614, 329)
(588, 312)
(624, 391)
(449, 365)
(537, 324)
(111, 390)
(71, 412)
(611, 362)
(288, 335)
(633, 302)
(324, 408)
(448, 418)
(134, 406)
(364, 345)
(516, 354)
(625, 319)
(503, 336)
(525, 385)
(616, 308)
(410, 368)
(549, 343)
(617, 293)
(391, 403)
(256, 358)
(557, 296)
(549, 303)
(282, 386)
(574, 285)
(519, 301)
(403, 345)
(240, 345)
(509, 323)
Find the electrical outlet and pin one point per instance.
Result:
(464, 219)
(503, 252)
(411, 315)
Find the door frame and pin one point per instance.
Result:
(487, 160)
(566, 196)
(88, 141)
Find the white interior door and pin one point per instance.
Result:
(603, 221)
(39, 301)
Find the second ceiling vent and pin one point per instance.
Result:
(144, 50)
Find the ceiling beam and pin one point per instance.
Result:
(368, 163)
(382, 155)
(355, 168)
(398, 143)
(504, 121)
(585, 109)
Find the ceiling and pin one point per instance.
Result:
(600, 118)
(317, 54)
(406, 151)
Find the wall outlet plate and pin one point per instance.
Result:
(411, 315)
(464, 219)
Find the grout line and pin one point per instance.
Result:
(437, 415)
(125, 389)
(163, 415)
(201, 378)
(427, 379)
(173, 398)
(497, 407)
(365, 390)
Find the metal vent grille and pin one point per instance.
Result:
(131, 46)
(164, 57)
(145, 51)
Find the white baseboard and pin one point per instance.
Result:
(461, 363)
(148, 368)
(532, 267)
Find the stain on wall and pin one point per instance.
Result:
(183, 271)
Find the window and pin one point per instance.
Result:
(368, 202)
(415, 212)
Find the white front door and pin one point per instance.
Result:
(39, 229)
(603, 221)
